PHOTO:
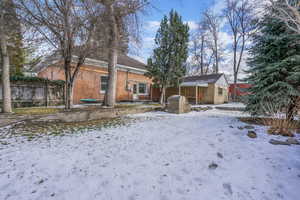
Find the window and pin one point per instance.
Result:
(135, 89)
(142, 88)
(103, 83)
(220, 91)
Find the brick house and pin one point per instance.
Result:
(91, 82)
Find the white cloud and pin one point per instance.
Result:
(225, 38)
(152, 25)
(193, 25)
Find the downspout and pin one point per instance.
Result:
(127, 85)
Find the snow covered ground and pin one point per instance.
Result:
(160, 157)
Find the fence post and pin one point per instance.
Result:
(46, 93)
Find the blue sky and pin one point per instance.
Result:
(190, 10)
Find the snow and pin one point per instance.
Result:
(227, 105)
(160, 157)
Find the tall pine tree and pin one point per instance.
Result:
(274, 69)
(168, 62)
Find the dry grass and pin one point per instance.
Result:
(35, 111)
(277, 126)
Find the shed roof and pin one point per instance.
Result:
(202, 80)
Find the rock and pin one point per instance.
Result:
(252, 134)
(199, 109)
(293, 141)
(227, 187)
(219, 155)
(212, 165)
(249, 127)
(278, 142)
(241, 128)
(178, 104)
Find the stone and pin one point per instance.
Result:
(219, 155)
(178, 104)
(212, 165)
(293, 141)
(252, 134)
(278, 142)
(227, 187)
(249, 127)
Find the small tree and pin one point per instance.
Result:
(66, 25)
(168, 63)
(274, 67)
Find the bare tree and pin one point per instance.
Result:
(201, 50)
(118, 13)
(66, 25)
(239, 15)
(6, 28)
(213, 23)
(288, 12)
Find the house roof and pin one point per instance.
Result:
(124, 61)
(202, 79)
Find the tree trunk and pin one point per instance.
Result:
(234, 87)
(68, 84)
(110, 95)
(202, 56)
(216, 54)
(6, 92)
(163, 96)
(68, 96)
(235, 69)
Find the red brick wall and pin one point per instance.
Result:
(87, 83)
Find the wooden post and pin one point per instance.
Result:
(46, 93)
(196, 94)
(179, 89)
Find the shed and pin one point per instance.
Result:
(205, 89)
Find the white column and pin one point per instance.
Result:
(179, 90)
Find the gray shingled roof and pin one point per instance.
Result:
(209, 78)
(122, 60)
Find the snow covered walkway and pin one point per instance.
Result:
(162, 157)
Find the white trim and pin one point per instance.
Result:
(192, 84)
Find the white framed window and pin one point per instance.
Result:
(103, 84)
(142, 89)
(220, 91)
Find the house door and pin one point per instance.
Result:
(135, 94)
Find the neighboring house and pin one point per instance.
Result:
(92, 79)
(204, 89)
(241, 90)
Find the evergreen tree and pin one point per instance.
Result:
(168, 62)
(274, 69)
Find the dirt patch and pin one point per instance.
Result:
(32, 130)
